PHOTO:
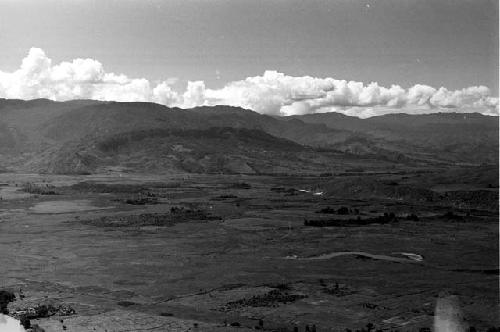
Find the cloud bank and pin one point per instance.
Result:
(272, 93)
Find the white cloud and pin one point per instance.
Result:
(271, 93)
(279, 94)
(194, 95)
(79, 79)
(163, 94)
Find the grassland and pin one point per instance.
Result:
(134, 252)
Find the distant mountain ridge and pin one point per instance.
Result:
(460, 137)
(88, 136)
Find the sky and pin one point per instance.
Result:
(281, 57)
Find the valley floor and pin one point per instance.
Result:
(135, 252)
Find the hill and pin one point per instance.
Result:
(447, 137)
(90, 136)
(84, 136)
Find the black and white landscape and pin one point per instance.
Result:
(275, 198)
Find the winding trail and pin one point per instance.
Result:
(359, 253)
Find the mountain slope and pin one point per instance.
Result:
(213, 150)
(88, 136)
(85, 136)
(451, 137)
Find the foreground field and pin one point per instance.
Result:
(122, 252)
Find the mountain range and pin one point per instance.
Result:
(86, 136)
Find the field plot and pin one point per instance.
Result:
(380, 251)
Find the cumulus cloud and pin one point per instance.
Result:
(279, 94)
(80, 79)
(271, 93)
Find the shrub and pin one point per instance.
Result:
(412, 217)
(343, 210)
(39, 189)
(241, 185)
(327, 210)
